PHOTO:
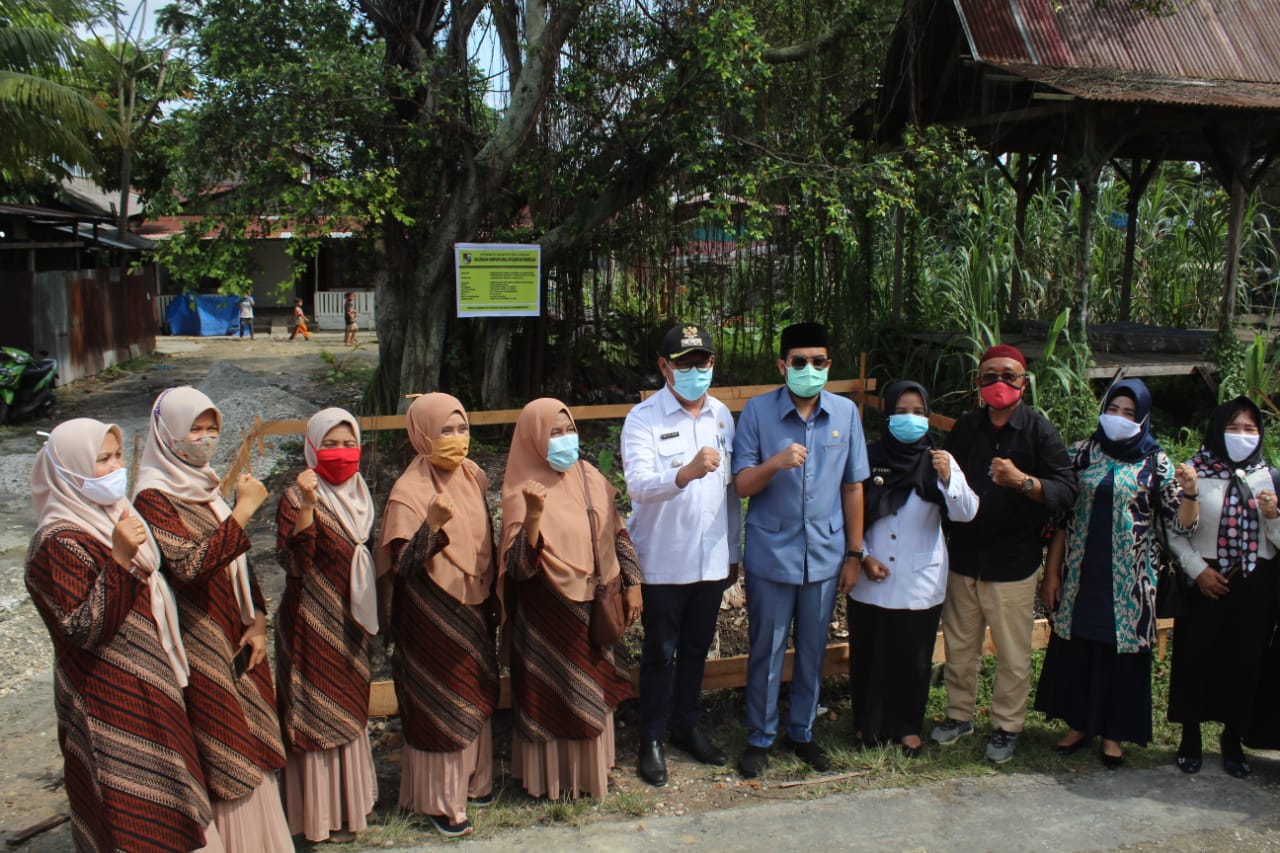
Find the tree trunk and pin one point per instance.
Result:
(1235, 225)
(496, 344)
(899, 226)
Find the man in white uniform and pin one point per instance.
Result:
(686, 523)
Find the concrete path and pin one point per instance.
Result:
(1130, 809)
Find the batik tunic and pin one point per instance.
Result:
(234, 718)
(132, 770)
(322, 652)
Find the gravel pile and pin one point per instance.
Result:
(24, 644)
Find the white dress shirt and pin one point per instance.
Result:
(682, 535)
(912, 546)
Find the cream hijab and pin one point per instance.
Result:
(464, 569)
(351, 504)
(566, 549)
(62, 465)
(172, 416)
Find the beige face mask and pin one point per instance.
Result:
(448, 451)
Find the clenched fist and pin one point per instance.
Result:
(535, 498)
(250, 493)
(127, 538)
(439, 511)
(307, 482)
(703, 463)
(1185, 474)
(791, 457)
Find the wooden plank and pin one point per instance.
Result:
(731, 672)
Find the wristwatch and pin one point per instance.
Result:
(861, 554)
(1028, 484)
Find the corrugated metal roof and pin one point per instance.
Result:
(1233, 46)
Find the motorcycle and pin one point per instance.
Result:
(26, 384)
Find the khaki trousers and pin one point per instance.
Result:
(1008, 608)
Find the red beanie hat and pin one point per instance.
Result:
(1003, 351)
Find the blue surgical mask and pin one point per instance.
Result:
(806, 382)
(691, 384)
(908, 428)
(562, 451)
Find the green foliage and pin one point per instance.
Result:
(1229, 352)
(1059, 386)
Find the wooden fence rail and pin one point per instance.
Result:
(734, 397)
(730, 672)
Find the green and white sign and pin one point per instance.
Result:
(498, 279)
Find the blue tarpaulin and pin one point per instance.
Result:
(192, 314)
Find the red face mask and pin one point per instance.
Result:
(337, 464)
(1000, 395)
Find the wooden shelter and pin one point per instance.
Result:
(1093, 81)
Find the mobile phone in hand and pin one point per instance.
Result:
(241, 660)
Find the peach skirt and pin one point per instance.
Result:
(212, 840)
(438, 783)
(325, 789)
(564, 767)
(254, 823)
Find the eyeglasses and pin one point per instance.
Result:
(991, 378)
(799, 362)
(702, 365)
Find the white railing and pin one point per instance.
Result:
(329, 312)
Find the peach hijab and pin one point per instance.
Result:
(566, 541)
(172, 416)
(464, 569)
(63, 464)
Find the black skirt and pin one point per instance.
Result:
(1220, 649)
(890, 661)
(1096, 690)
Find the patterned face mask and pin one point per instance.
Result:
(196, 452)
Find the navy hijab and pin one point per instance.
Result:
(1144, 443)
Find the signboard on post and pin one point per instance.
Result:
(498, 279)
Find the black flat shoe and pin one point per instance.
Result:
(694, 742)
(1073, 747)
(1189, 763)
(1112, 762)
(652, 763)
(910, 751)
(1233, 760)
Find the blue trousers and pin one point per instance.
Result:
(679, 625)
(772, 611)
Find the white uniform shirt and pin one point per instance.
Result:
(682, 535)
(911, 545)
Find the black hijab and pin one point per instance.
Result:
(898, 469)
(1144, 443)
(1218, 420)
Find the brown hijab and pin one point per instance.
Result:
(566, 541)
(464, 569)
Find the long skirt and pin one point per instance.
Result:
(325, 789)
(255, 823)
(890, 661)
(557, 768)
(439, 783)
(1096, 690)
(1220, 648)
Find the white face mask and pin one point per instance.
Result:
(104, 491)
(1118, 428)
(1240, 445)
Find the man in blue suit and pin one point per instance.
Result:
(799, 455)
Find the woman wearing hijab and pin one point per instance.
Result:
(893, 620)
(132, 770)
(437, 533)
(230, 698)
(561, 529)
(1100, 578)
(324, 630)
(1220, 646)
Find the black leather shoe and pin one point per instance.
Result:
(753, 761)
(1189, 762)
(810, 753)
(694, 742)
(653, 763)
